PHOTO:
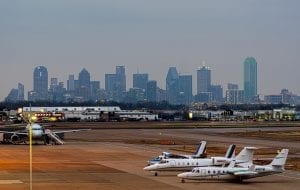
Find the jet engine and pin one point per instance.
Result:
(220, 161)
(15, 139)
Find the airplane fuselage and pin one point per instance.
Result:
(201, 173)
(186, 164)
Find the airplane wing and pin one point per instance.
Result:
(244, 173)
(240, 172)
(14, 132)
(70, 131)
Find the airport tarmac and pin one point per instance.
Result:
(113, 159)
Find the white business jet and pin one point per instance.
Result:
(237, 172)
(188, 164)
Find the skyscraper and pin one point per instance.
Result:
(53, 84)
(115, 84)
(121, 78)
(203, 79)
(250, 79)
(172, 86)
(140, 81)
(185, 89)
(20, 92)
(151, 91)
(84, 80)
(71, 83)
(95, 90)
(40, 82)
(110, 86)
(217, 93)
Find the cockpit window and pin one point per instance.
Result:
(163, 161)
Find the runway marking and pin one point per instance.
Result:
(286, 176)
(10, 182)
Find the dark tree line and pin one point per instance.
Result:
(164, 105)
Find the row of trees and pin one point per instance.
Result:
(164, 105)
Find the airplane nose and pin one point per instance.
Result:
(147, 168)
(182, 175)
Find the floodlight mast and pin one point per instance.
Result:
(30, 151)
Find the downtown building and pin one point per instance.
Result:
(40, 85)
(204, 93)
(250, 80)
(16, 95)
(185, 89)
(172, 86)
(115, 85)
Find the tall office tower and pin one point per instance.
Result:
(250, 79)
(172, 86)
(115, 84)
(40, 83)
(20, 92)
(161, 95)
(121, 78)
(84, 80)
(151, 91)
(53, 84)
(110, 86)
(185, 89)
(203, 80)
(95, 90)
(71, 83)
(217, 93)
(140, 81)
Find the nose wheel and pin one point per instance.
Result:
(155, 174)
(182, 181)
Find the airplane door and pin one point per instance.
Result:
(202, 172)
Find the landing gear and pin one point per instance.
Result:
(155, 174)
(182, 180)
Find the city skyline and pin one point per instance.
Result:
(150, 36)
(36, 72)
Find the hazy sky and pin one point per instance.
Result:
(149, 36)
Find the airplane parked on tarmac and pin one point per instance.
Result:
(39, 133)
(239, 173)
(200, 153)
(245, 156)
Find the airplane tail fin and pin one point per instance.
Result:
(280, 159)
(200, 152)
(246, 155)
(230, 151)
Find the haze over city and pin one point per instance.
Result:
(150, 36)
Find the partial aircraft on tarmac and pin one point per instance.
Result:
(236, 172)
(39, 133)
(245, 156)
(200, 153)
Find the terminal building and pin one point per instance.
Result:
(97, 113)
